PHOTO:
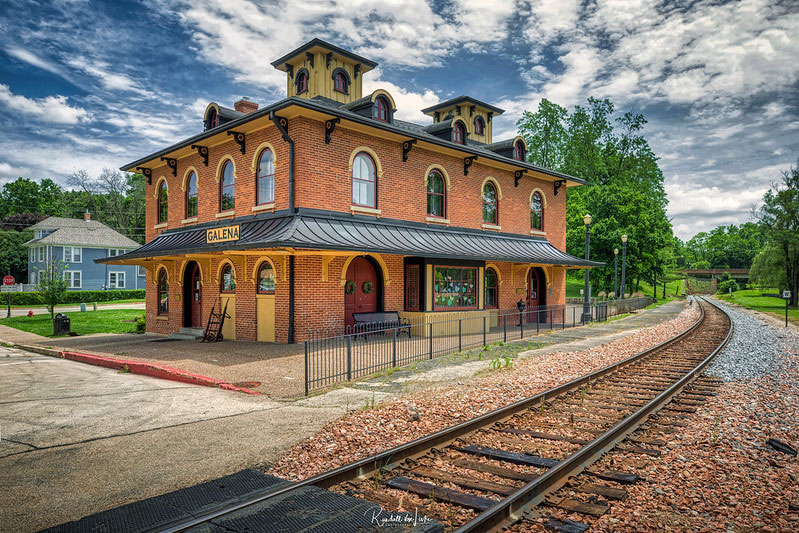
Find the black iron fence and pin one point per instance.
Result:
(339, 354)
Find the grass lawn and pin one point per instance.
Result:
(108, 321)
(752, 299)
(88, 304)
(573, 287)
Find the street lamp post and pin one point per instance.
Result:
(587, 296)
(616, 273)
(623, 264)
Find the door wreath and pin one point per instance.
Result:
(368, 287)
(349, 287)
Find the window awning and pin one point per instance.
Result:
(328, 230)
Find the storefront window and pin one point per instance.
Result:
(163, 293)
(266, 279)
(455, 288)
(228, 282)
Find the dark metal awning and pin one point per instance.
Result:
(328, 230)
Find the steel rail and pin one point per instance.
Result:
(518, 504)
(391, 457)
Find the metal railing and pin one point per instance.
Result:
(337, 354)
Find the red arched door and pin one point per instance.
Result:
(534, 296)
(356, 300)
(195, 296)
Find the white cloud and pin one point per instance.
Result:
(10, 173)
(409, 104)
(111, 81)
(53, 109)
(32, 59)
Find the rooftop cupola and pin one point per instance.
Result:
(476, 115)
(318, 68)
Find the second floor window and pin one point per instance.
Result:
(436, 194)
(490, 203)
(191, 196)
(459, 134)
(364, 181)
(227, 188)
(537, 212)
(266, 178)
(381, 109)
(479, 126)
(518, 151)
(73, 254)
(163, 203)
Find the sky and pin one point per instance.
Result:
(89, 84)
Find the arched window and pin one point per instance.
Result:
(266, 279)
(227, 282)
(163, 202)
(213, 119)
(490, 203)
(436, 194)
(537, 212)
(381, 109)
(491, 289)
(266, 178)
(191, 196)
(302, 81)
(459, 134)
(227, 188)
(163, 293)
(364, 181)
(341, 81)
(518, 151)
(479, 126)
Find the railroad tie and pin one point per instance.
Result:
(612, 475)
(464, 481)
(428, 490)
(564, 526)
(577, 506)
(496, 470)
(612, 493)
(510, 457)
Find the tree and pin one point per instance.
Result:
(13, 255)
(779, 217)
(768, 268)
(52, 285)
(545, 134)
(19, 196)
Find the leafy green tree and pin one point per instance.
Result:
(52, 285)
(545, 133)
(13, 255)
(768, 269)
(19, 196)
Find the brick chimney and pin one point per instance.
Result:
(245, 106)
(87, 216)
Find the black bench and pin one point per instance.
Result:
(385, 320)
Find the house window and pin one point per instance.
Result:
(302, 81)
(436, 194)
(163, 203)
(141, 271)
(341, 81)
(73, 278)
(266, 178)
(227, 188)
(40, 254)
(364, 181)
(537, 212)
(227, 282)
(381, 109)
(266, 279)
(455, 288)
(116, 280)
(479, 126)
(163, 293)
(73, 254)
(491, 296)
(518, 151)
(191, 196)
(113, 252)
(412, 287)
(31, 255)
(459, 135)
(37, 234)
(490, 203)
(213, 119)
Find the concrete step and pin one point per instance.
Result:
(188, 334)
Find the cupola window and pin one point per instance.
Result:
(302, 81)
(459, 133)
(479, 126)
(213, 119)
(341, 81)
(381, 109)
(518, 150)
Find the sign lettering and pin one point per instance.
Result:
(228, 233)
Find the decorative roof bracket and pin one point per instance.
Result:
(490, 115)
(171, 163)
(519, 174)
(282, 124)
(290, 70)
(472, 109)
(467, 162)
(558, 184)
(203, 151)
(309, 57)
(240, 139)
(148, 173)
(328, 59)
(356, 70)
(330, 125)
(406, 148)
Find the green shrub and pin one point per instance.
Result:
(141, 325)
(726, 286)
(77, 297)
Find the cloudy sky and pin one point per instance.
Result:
(87, 85)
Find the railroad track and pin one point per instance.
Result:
(543, 458)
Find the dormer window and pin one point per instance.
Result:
(518, 150)
(381, 109)
(213, 119)
(302, 81)
(341, 81)
(459, 133)
(479, 126)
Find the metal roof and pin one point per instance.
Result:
(454, 101)
(278, 63)
(328, 230)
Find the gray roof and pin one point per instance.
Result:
(324, 44)
(329, 230)
(79, 232)
(459, 99)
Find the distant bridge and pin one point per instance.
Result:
(735, 273)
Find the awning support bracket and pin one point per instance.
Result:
(518, 175)
(148, 173)
(330, 125)
(467, 162)
(406, 148)
(282, 124)
(171, 163)
(558, 184)
(203, 151)
(240, 139)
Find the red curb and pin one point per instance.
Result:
(156, 371)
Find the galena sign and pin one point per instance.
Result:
(228, 233)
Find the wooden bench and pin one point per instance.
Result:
(385, 320)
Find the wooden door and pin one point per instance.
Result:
(359, 273)
(196, 309)
(534, 297)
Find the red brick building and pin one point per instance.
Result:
(298, 214)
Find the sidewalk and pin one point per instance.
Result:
(38, 309)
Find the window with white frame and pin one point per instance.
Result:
(31, 255)
(73, 278)
(37, 234)
(73, 254)
(141, 271)
(113, 252)
(40, 253)
(116, 280)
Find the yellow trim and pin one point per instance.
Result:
(258, 153)
(496, 269)
(208, 108)
(365, 210)
(371, 153)
(226, 157)
(183, 268)
(258, 264)
(158, 186)
(326, 260)
(385, 93)
(186, 178)
(376, 257)
(481, 288)
(496, 184)
(156, 271)
(543, 197)
(436, 166)
(524, 142)
(547, 276)
(219, 271)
